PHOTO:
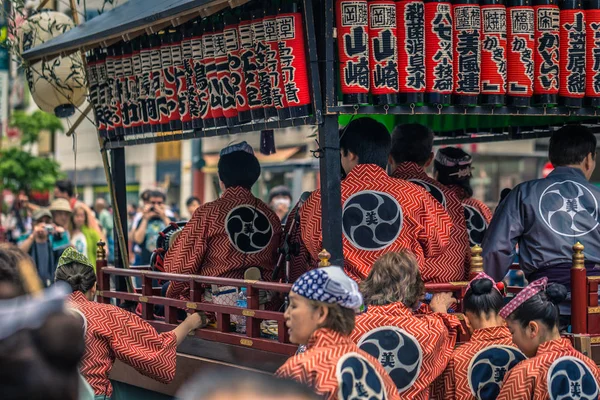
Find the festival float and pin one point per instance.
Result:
(474, 71)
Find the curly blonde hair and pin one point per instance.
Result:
(395, 277)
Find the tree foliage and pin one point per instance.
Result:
(20, 170)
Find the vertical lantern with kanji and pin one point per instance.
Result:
(382, 51)
(520, 59)
(259, 41)
(236, 70)
(251, 77)
(273, 61)
(94, 88)
(115, 126)
(546, 55)
(592, 17)
(467, 51)
(572, 50)
(439, 69)
(493, 52)
(228, 102)
(352, 19)
(187, 52)
(155, 100)
(410, 25)
(214, 89)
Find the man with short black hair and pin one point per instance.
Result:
(411, 153)
(227, 236)
(192, 204)
(546, 217)
(154, 220)
(379, 213)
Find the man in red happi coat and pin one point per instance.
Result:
(452, 167)
(379, 214)
(411, 153)
(231, 234)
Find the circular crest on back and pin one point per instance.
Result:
(570, 378)
(488, 368)
(358, 379)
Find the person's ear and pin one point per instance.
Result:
(322, 314)
(429, 160)
(533, 329)
(468, 323)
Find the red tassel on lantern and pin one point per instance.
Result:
(410, 23)
(546, 55)
(225, 87)
(292, 54)
(236, 71)
(352, 18)
(261, 54)
(251, 77)
(214, 91)
(592, 18)
(520, 38)
(382, 51)
(200, 77)
(493, 52)
(572, 50)
(467, 51)
(438, 48)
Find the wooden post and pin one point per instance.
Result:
(324, 257)
(578, 291)
(103, 281)
(476, 261)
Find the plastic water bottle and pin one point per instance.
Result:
(242, 301)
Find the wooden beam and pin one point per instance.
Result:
(79, 120)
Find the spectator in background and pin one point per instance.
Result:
(106, 222)
(83, 238)
(192, 203)
(17, 220)
(280, 201)
(45, 244)
(61, 213)
(153, 221)
(63, 189)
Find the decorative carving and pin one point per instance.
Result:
(476, 260)
(101, 251)
(324, 257)
(578, 256)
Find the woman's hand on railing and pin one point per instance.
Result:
(192, 322)
(441, 302)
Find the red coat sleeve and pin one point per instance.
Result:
(310, 225)
(137, 343)
(187, 253)
(295, 371)
(436, 224)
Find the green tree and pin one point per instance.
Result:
(20, 170)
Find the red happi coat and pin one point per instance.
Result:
(477, 215)
(115, 333)
(452, 264)
(557, 371)
(224, 238)
(419, 346)
(454, 382)
(372, 224)
(300, 262)
(337, 369)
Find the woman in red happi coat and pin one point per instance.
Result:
(321, 315)
(413, 349)
(555, 370)
(477, 368)
(115, 333)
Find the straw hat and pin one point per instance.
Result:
(61, 205)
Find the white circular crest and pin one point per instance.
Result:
(432, 190)
(488, 367)
(398, 352)
(371, 220)
(248, 229)
(569, 209)
(570, 378)
(358, 379)
(476, 224)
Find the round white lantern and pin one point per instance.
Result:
(58, 85)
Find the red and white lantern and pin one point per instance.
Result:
(572, 49)
(467, 51)
(200, 77)
(493, 52)
(156, 110)
(261, 54)
(592, 87)
(410, 23)
(236, 70)
(520, 38)
(208, 50)
(251, 75)
(383, 51)
(438, 48)
(226, 88)
(546, 55)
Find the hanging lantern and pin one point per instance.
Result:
(352, 18)
(94, 86)
(572, 49)
(187, 53)
(224, 77)
(145, 82)
(273, 62)
(208, 49)
(520, 44)
(57, 86)
(124, 69)
(438, 48)
(493, 52)
(236, 70)
(134, 82)
(115, 126)
(155, 76)
(467, 51)
(410, 24)
(260, 51)
(546, 55)
(292, 53)
(170, 108)
(251, 78)
(181, 94)
(383, 53)
(592, 17)
(199, 67)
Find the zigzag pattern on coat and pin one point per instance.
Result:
(115, 333)
(204, 248)
(454, 382)
(453, 264)
(471, 201)
(436, 334)
(425, 227)
(317, 366)
(529, 379)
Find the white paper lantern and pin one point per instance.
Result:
(58, 85)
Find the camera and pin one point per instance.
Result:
(49, 229)
(152, 209)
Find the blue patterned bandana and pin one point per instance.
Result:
(330, 285)
(243, 146)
